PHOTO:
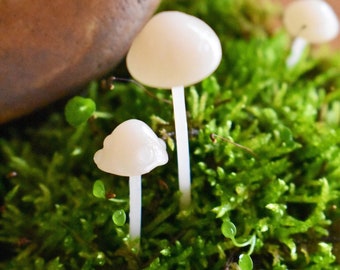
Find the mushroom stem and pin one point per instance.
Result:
(135, 185)
(182, 144)
(298, 46)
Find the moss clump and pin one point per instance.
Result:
(264, 142)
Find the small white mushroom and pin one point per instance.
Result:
(309, 21)
(175, 50)
(132, 149)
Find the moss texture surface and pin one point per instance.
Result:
(265, 155)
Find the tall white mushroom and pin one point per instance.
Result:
(172, 51)
(309, 21)
(132, 149)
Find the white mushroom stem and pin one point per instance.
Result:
(135, 185)
(298, 46)
(182, 144)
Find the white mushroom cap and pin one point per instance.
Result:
(313, 20)
(132, 149)
(174, 49)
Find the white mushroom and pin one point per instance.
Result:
(309, 21)
(175, 50)
(132, 149)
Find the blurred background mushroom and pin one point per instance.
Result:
(335, 4)
(50, 49)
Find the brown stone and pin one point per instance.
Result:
(50, 48)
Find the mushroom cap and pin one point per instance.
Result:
(131, 149)
(313, 20)
(174, 49)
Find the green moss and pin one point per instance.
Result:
(265, 145)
